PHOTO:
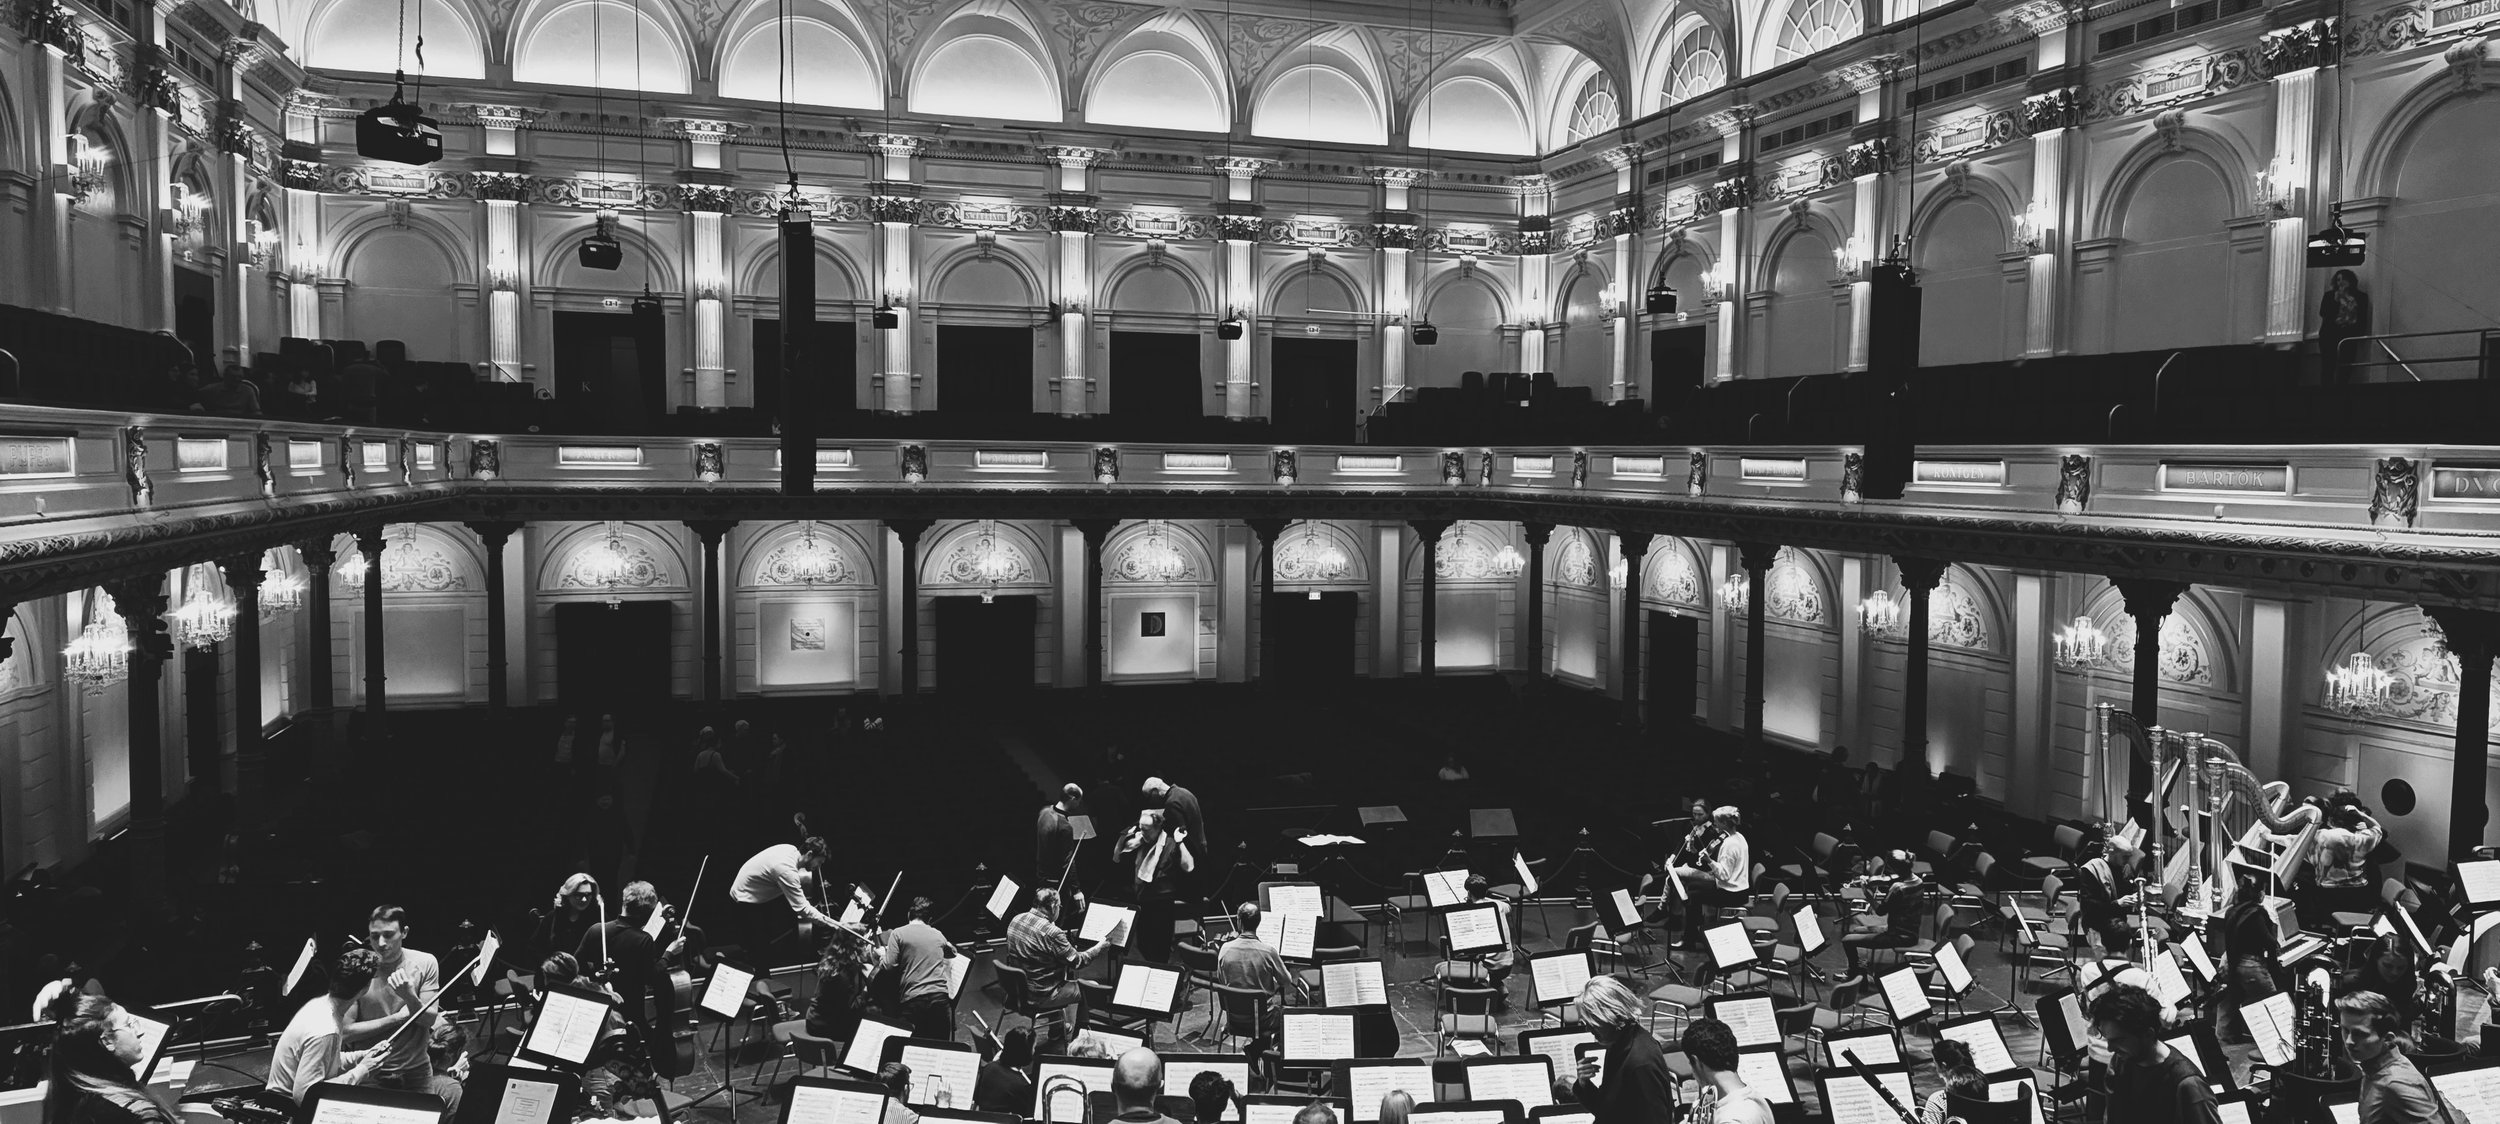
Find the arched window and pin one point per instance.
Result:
(1697, 66)
(1597, 110)
(1813, 26)
(604, 44)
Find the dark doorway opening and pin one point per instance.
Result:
(203, 744)
(1673, 659)
(612, 659)
(1311, 388)
(984, 372)
(195, 314)
(1156, 380)
(1310, 642)
(835, 366)
(985, 648)
(611, 371)
(1678, 364)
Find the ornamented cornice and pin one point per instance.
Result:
(1243, 165)
(1398, 177)
(1872, 157)
(1074, 218)
(709, 198)
(1729, 194)
(2041, 17)
(1621, 156)
(502, 187)
(705, 131)
(2301, 46)
(2052, 109)
(1534, 184)
(894, 144)
(302, 175)
(1730, 121)
(493, 116)
(1869, 74)
(1069, 156)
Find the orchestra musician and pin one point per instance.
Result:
(1639, 1088)
(1183, 814)
(599, 1071)
(843, 975)
(1036, 944)
(404, 980)
(2387, 971)
(1723, 876)
(635, 965)
(1699, 839)
(94, 1045)
(2105, 893)
(2149, 1083)
(2393, 1091)
(1481, 969)
(1161, 846)
(308, 1051)
(916, 952)
(1894, 923)
(771, 890)
(1054, 837)
(2340, 854)
(1723, 1097)
(576, 908)
(1245, 961)
(2250, 941)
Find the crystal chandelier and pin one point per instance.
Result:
(2359, 686)
(206, 616)
(282, 592)
(1155, 559)
(607, 565)
(351, 571)
(991, 563)
(1736, 593)
(1507, 562)
(99, 656)
(399, 563)
(1618, 574)
(1880, 616)
(1326, 560)
(812, 560)
(2081, 644)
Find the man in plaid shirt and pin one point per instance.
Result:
(1037, 944)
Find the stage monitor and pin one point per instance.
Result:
(332, 1103)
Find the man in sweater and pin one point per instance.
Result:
(918, 955)
(2149, 1083)
(405, 979)
(308, 1050)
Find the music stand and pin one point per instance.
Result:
(1367, 1080)
(1753, 1016)
(1850, 1094)
(1988, 1051)
(939, 1066)
(1556, 1044)
(502, 1094)
(866, 1050)
(1491, 823)
(1181, 1069)
(1905, 997)
(1562, 1114)
(333, 1103)
(1148, 991)
(724, 996)
(833, 1098)
(567, 1026)
(1316, 1038)
(1528, 1079)
(969, 1116)
(1762, 1070)
(1469, 1111)
(1874, 1047)
(1557, 977)
(1353, 984)
(1475, 928)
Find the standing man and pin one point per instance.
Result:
(1160, 848)
(1639, 1088)
(2149, 1083)
(640, 963)
(1054, 838)
(404, 980)
(771, 890)
(1180, 802)
(2392, 1090)
(918, 954)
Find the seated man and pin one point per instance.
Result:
(1246, 961)
(1894, 924)
(1037, 945)
(1136, 1080)
(1482, 969)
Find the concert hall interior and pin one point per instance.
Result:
(1441, 561)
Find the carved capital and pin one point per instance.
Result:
(1757, 557)
(2052, 109)
(2301, 46)
(1070, 156)
(1398, 177)
(493, 534)
(2148, 598)
(1621, 156)
(493, 116)
(1536, 184)
(500, 187)
(1634, 544)
(1919, 575)
(1869, 74)
(704, 131)
(894, 144)
(708, 198)
(1252, 166)
(140, 602)
(1728, 122)
(242, 571)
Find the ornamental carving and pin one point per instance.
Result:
(2424, 682)
(51, 24)
(1852, 477)
(1464, 556)
(709, 198)
(1484, 470)
(915, 463)
(1954, 619)
(968, 562)
(485, 459)
(1313, 555)
(1579, 468)
(1152, 558)
(828, 564)
(407, 460)
(1575, 564)
(1871, 157)
(233, 134)
(2183, 657)
(1106, 464)
(1697, 473)
(1729, 194)
(2299, 47)
(2394, 490)
(1284, 465)
(135, 464)
(2388, 29)
(710, 462)
(1453, 467)
(2074, 483)
(260, 467)
(350, 456)
(302, 175)
(1625, 218)
(1237, 228)
(2053, 109)
(1791, 592)
(409, 568)
(632, 564)
(892, 208)
(1074, 219)
(2172, 83)
(157, 88)
(1673, 581)
(1394, 235)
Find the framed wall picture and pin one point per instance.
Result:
(1150, 624)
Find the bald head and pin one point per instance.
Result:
(1137, 1079)
(1070, 796)
(1155, 787)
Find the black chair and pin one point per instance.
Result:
(1016, 983)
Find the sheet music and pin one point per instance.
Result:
(1675, 886)
(2199, 957)
(333, 1110)
(1470, 1048)
(567, 1027)
(295, 975)
(2412, 930)
(1067, 1104)
(1529, 1080)
(2471, 1091)
(939, 1073)
(726, 995)
(1871, 1049)
(1366, 1084)
(1730, 945)
(867, 1050)
(1474, 929)
(486, 951)
(1810, 929)
(1595, 1055)
(1627, 912)
(1003, 898)
(2011, 1090)
(2480, 880)
(1559, 979)
(2272, 1020)
(2236, 1112)
(1851, 1100)
(1754, 1020)
(1144, 987)
(1325, 839)
(1106, 923)
(1904, 994)
(1575, 1117)
(1266, 1114)
(526, 1102)
(1445, 888)
(1460, 1116)
(2347, 1112)
(1560, 1048)
(1527, 878)
(1762, 1073)
(2301, 948)
(1380, 813)
(2169, 987)
(1957, 974)
(1299, 932)
(2070, 1015)
(1987, 1045)
(1114, 1043)
(815, 1104)
(853, 911)
(1181, 1069)
(1353, 983)
(1319, 1037)
(1297, 898)
(958, 969)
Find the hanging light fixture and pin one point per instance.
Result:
(2081, 644)
(2359, 686)
(98, 656)
(281, 591)
(1320, 558)
(1155, 559)
(1736, 593)
(991, 563)
(205, 618)
(1880, 616)
(1508, 562)
(1617, 574)
(607, 564)
(812, 560)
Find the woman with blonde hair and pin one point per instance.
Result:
(1638, 1087)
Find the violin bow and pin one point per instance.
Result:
(685, 915)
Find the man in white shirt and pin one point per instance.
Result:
(1724, 1099)
(308, 1049)
(1722, 877)
(404, 980)
(770, 890)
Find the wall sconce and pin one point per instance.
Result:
(1610, 301)
(2278, 187)
(260, 243)
(1714, 282)
(182, 209)
(2032, 228)
(85, 172)
(1849, 260)
(502, 277)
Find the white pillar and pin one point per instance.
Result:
(1866, 235)
(1536, 202)
(2035, 692)
(506, 272)
(304, 261)
(2047, 215)
(2292, 176)
(894, 273)
(1388, 600)
(1396, 304)
(1236, 570)
(1072, 245)
(1856, 582)
(1237, 247)
(1727, 700)
(709, 309)
(2274, 694)
(152, 169)
(1624, 220)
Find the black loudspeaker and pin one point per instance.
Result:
(1425, 334)
(1892, 332)
(1228, 329)
(1660, 300)
(397, 132)
(885, 319)
(602, 252)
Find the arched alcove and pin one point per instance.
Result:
(1585, 361)
(1165, 73)
(988, 60)
(804, 617)
(368, 36)
(400, 288)
(1306, 290)
(1803, 326)
(829, 64)
(433, 580)
(1162, 287)
(1323, 95)
(985, 280)
(2432, 271)
(1468, 312)
(2173, 278)
(1962, 311)
(1470, 114)
(602, 44)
